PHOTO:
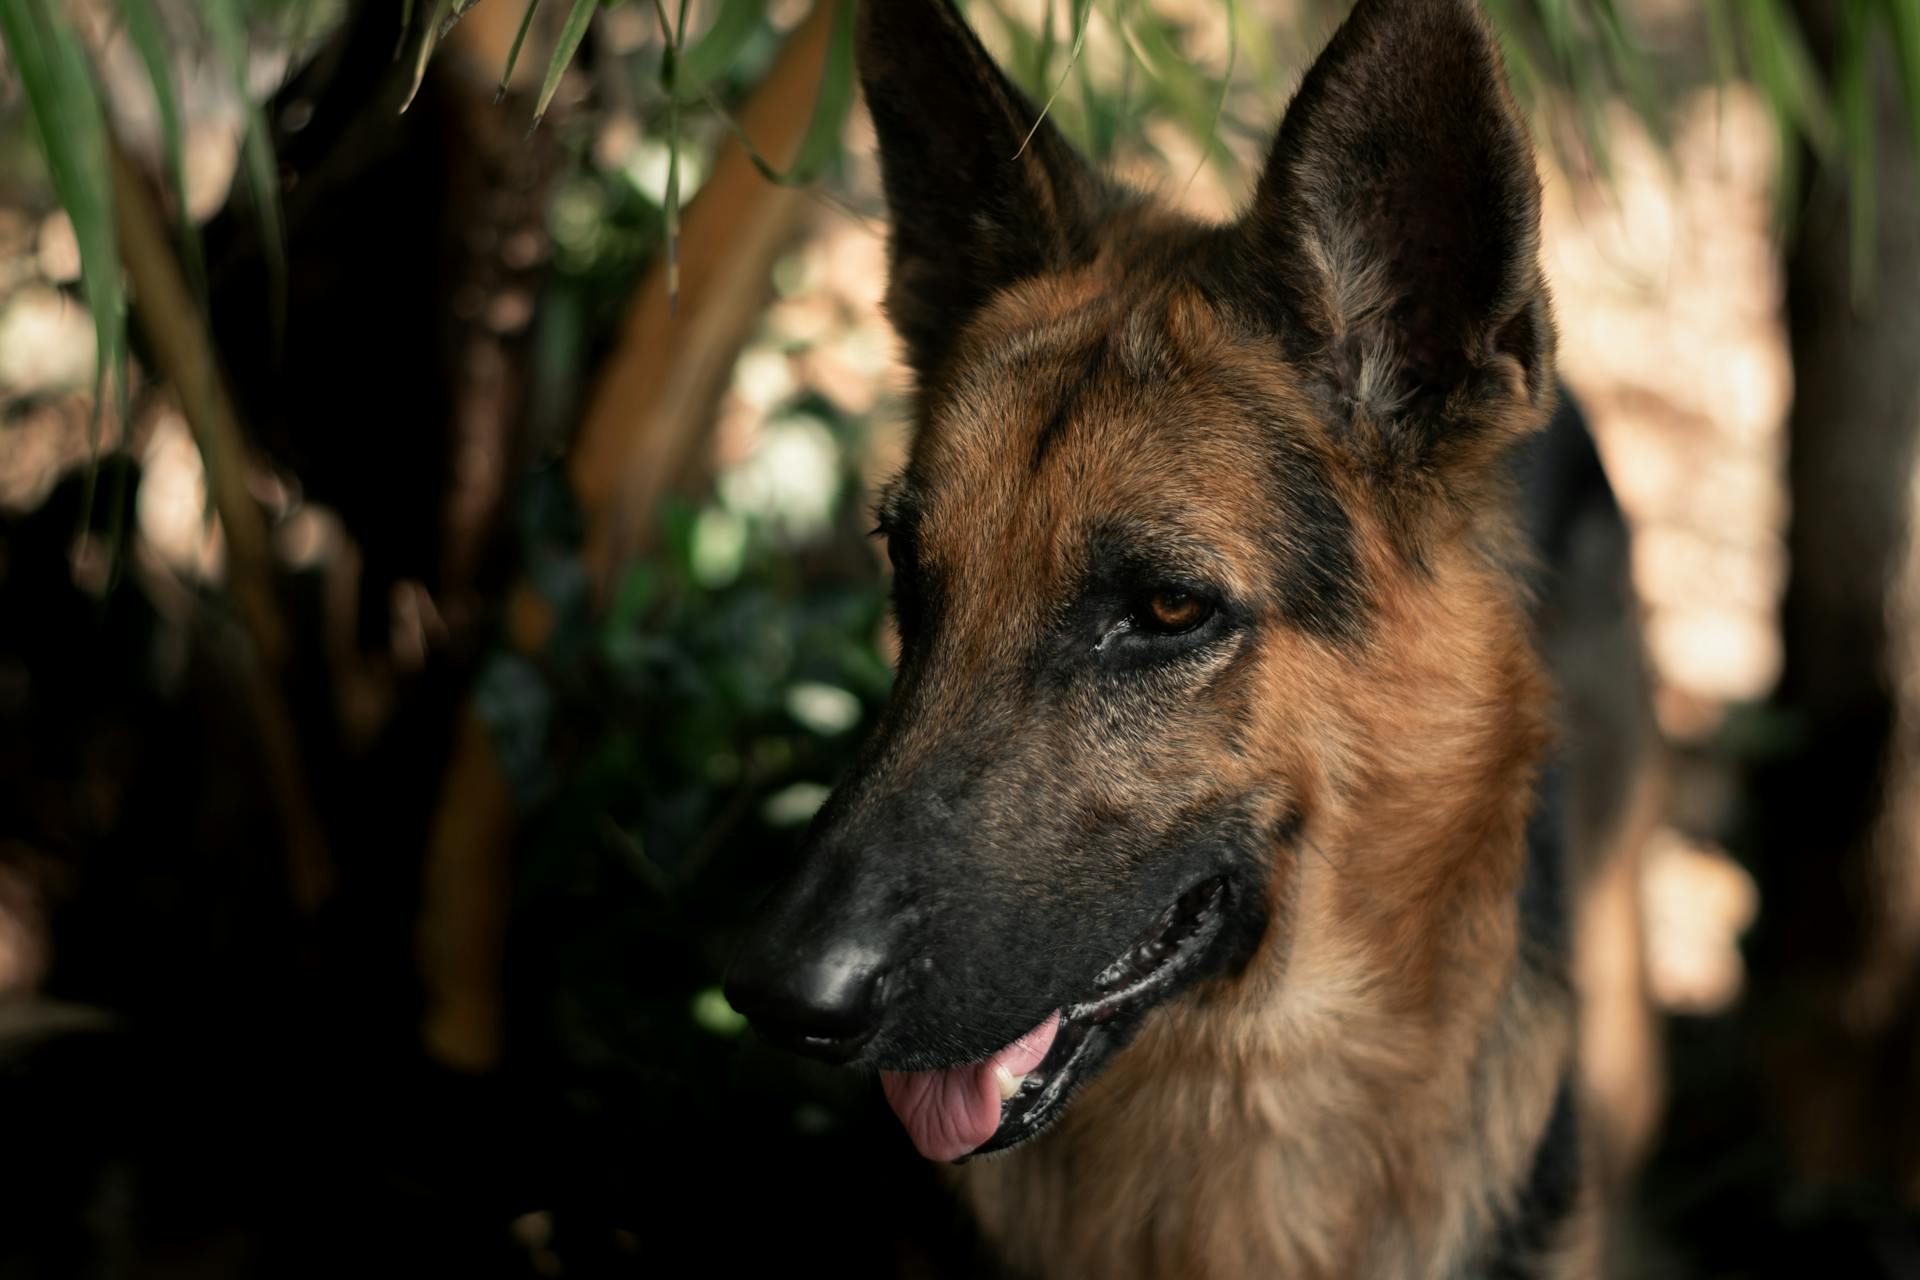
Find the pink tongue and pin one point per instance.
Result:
(949, 1113)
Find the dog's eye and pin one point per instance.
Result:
(1169, 611)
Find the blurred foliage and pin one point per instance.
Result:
(667, 752)
(1580, 52)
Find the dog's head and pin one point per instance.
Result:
(1193, 563)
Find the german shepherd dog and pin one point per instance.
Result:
(1207, 867)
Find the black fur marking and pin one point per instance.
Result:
(1318, 583)
(1288, 827)
(1551, 1190)
(1071, 394)
(917, 588)
(1545, 920)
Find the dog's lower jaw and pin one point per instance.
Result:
(1315, 1160)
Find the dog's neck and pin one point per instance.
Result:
(1366, 1103)
(1323, 1138)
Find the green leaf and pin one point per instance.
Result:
(1212, 135)
(1174, 85)
(1786, 74)
(72, 130)
(717, 51)
(150, 40)
(513, 52)
(1082, 14)
(572, 32)
(429, 38)
(822, 141)
(1557, 21)
(1904, 18)
(1853, 89)
(1629, 63)
(670, 206)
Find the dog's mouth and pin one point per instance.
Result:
(1013, 1094)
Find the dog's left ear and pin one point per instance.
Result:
(1396, 232)
(982, 191)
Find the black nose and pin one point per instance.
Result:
(826, 1004)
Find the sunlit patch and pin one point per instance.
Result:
(651, 160)
(823, 708)
(1668, 279)
(1698, 903)
(791, 480)
(46, 343)
(719, 548)
(794, 805)
(173, 515)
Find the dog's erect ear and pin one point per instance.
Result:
(1395, 233)
(972, 209)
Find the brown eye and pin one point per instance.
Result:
(1171, 612)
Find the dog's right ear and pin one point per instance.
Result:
(1394, 241)
(976, 203)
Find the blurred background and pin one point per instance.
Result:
(436, 451)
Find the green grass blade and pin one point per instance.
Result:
(71, 126)
(150, 40)
(670, 199)
(1044, 47)
(1212, 135)
(1628, 59)
(1903, 16)
(1029, 52)
(1082, 14)
(1174, 86)
(513, 52)
(1106, 117)
(1787, 74)
(572, 32)
(1556, 20)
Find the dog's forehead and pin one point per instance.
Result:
(1073, 409)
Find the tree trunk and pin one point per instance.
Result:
(1832, 842)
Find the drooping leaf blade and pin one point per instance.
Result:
(513, 51)
(572, 32)
(717, 50)
(1903, 17)
(150, 40)
(71, 126)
